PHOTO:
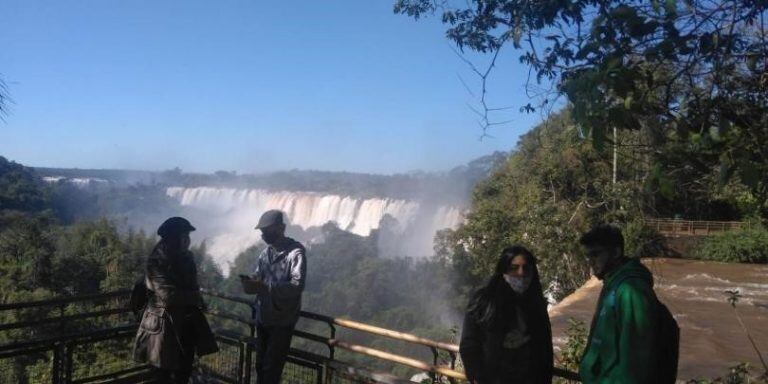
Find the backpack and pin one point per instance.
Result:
(667, 339)
(139, 298)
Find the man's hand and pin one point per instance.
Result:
(252, 285)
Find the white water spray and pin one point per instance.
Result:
(234, 213)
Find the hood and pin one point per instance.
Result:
(632, 267)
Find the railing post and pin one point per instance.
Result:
(332, 348)
(62, 363)
(327, 379)
(252, 325)
(58, 364)
(241, 363)
(68, 353)
(453, 366)
(246, 372)
(435, 361)
(435, 356)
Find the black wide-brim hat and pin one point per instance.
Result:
(175, 226)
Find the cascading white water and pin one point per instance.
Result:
(80, 182)
(232, 213)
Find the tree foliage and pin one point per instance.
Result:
(742, 246)
(688, 71)
(549, 190)
(555, 185)
(20, 188)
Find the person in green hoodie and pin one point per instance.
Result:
(622, 341)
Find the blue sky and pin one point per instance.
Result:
(243, 85)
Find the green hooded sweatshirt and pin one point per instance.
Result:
(622, 336)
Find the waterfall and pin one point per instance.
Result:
(231, 214)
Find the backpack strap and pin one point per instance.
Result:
(610, 297)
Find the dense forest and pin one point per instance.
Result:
(556, 184)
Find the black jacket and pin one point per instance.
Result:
(173, 326)
(491, 351)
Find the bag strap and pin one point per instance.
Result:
(614, 287)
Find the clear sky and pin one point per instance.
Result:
(249, 86)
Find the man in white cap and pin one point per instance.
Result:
(279, 276)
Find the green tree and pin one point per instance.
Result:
(92, 251)
(748, 245)
(693, 72)
(20, 188)
(209, 274)
(126, 265)
(27, 246)
(553, 187)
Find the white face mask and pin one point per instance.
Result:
(518, 284)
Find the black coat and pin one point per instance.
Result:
(488, 360)
(173, 327)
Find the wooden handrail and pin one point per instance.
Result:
(402, 336)
(418, 364)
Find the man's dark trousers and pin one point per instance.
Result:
(272, 347)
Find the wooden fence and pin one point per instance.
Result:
(679, 228)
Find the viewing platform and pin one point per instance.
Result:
(89, 339)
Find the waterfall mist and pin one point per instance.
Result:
(225, 218)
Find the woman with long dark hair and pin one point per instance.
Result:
(507, 337)
(173, 328)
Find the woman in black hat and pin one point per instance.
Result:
(173, 328)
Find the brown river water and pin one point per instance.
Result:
(711, 338)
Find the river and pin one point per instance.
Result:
(711, 339)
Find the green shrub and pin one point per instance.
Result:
(741, 246)
(737, 374)
(641, 240)
(576, 341)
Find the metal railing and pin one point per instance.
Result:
(77, 346)
(677, 228)
(63, 348)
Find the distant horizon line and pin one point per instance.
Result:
(237, 173)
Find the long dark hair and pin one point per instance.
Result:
(168, 247)
(484, 306)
